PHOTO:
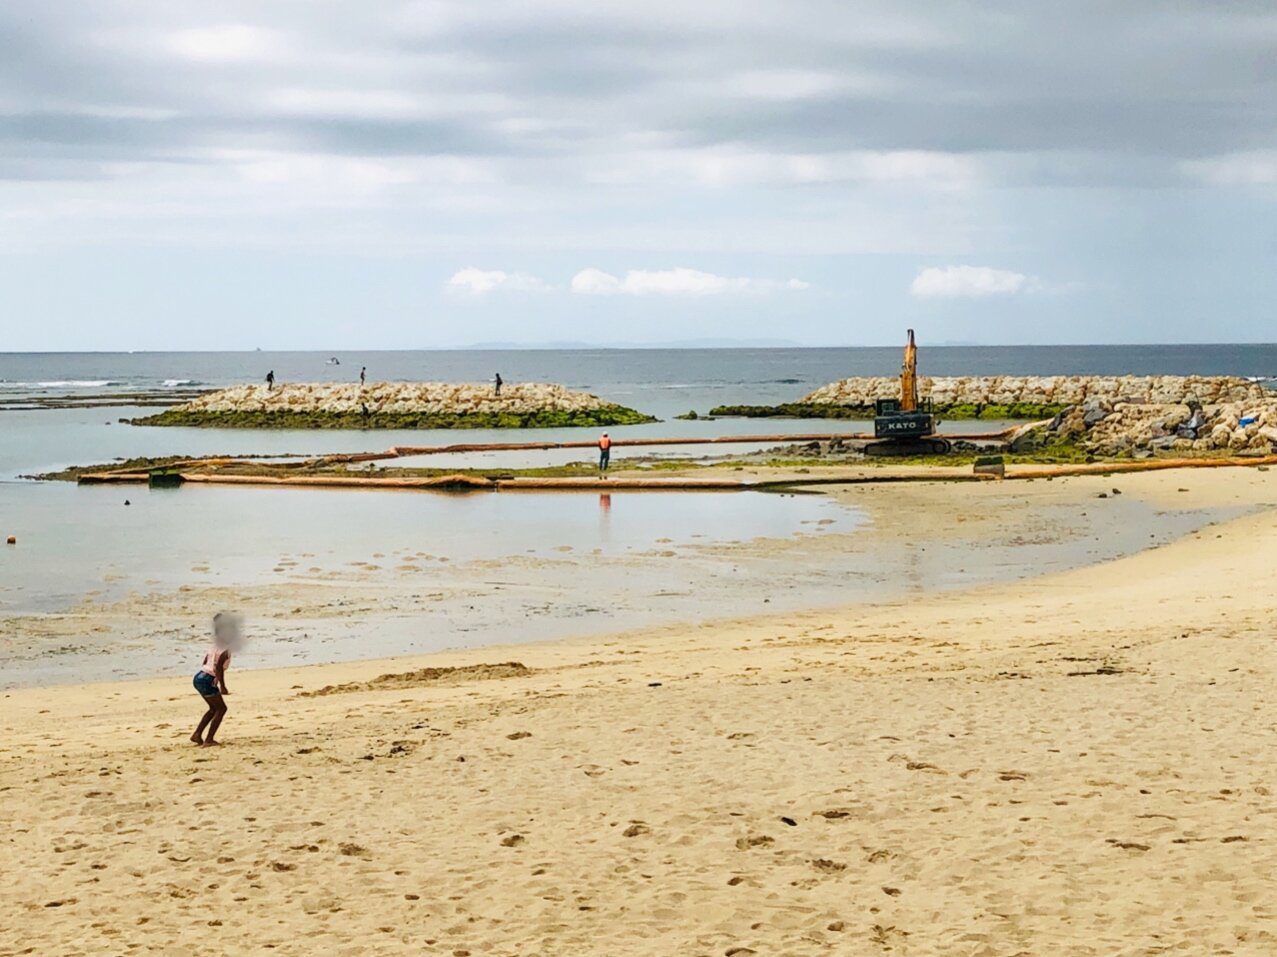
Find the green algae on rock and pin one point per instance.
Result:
(397, 405)
(831, 410)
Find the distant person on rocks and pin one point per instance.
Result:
(498, 382)
(363, 374)
(270, 380)
(605, 453)
(210, 680)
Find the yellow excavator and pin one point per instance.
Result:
(906, 426)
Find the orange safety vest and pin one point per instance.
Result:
(605, 443)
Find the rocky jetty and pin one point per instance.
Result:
(396, 405)
(1110, 429)
(1057, 391)
(1009, 397)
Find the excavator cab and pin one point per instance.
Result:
(907, 425)
(892, 422)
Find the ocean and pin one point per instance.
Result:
(663, 382)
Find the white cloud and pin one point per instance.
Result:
(479, 282)
(971, 282)
(307, 101)
(673, 282)
(1249, 168)
(726, 167)
(224, 44)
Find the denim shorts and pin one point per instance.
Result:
(205, 684)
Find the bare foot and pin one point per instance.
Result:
(195, 738)
(210, 743)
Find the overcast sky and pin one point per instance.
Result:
(311, 174)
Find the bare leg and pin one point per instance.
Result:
(198, 736)
(219, 705)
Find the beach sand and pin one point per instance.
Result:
(1072, 764)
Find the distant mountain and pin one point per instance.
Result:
(670, 344)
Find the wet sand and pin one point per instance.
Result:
(1072, 763)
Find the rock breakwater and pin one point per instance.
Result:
(1058, 391)
(1009, 397)
(396, 405)
(1114, 429)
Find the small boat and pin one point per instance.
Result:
(334, 361)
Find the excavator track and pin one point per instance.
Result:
(889, 448)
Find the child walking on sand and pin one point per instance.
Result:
(210, 680)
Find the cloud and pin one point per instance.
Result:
(480, 282)
(224, 44)
(673, 282)
(1248, 168)
(970, 282)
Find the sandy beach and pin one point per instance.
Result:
(1070, 764)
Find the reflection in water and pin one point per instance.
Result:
(605, 518)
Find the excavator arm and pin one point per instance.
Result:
(909, 377)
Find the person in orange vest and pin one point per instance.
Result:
(605, 453)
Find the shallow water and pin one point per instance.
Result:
(73, 540)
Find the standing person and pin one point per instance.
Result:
(363, 373)
(210, 680)
(498, 382)
(605, 453)
(270, 380)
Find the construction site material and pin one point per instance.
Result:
(1148, 465)
(170, 464)
(774, 479)
(1122, 428)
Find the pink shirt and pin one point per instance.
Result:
(209, 667)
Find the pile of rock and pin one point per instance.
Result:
(396, 405)
(1058, 391)
(396, 397)
(1107, 428)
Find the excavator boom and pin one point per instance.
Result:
(909, 377)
